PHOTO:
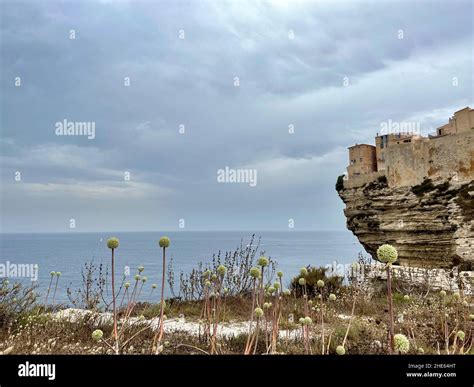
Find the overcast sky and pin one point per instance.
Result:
(335, 71)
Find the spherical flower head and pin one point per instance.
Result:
(263, 261)
(301, 320)
(320, 284)
(307, 320)
(302, 281)
(310, 302)
(387, 254)
(276, 285)
(340, 350)
(127, 285)
(221, 270)
(401, 343)
(271, 290)
(280, 274)
(406, 297)
(258, 312)
(465, 303)
(144, 279)
(471, 317)
(461, 335)
(140, 269)
(286, 292)
(53, 273)
(137, 277)
(332, 297)
(421, 351)
(164, 242)
(153, 286)
(213, 277)
(207, 283)
(267, 305)
(442, 293)
(97, 335)
(226, 290)
(303, 272)
(456, 296)
(207, 273)
(59, 274)
(255, 272)
(112, 243)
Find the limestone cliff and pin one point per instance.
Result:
(430, 224)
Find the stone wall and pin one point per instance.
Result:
(450, 156)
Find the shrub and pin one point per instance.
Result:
(426, 186)
(340, 183)
(16, 301)
(315, 274)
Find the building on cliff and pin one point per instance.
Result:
(415, 193)
(407, 158)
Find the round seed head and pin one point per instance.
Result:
(332, 297)
(280, 274)
(164, 242)
(387, 254)
(258, 312)
(112, 243)
(222, 270)
(140, 269)
(320, 283)
(401, 343)
(303, 272)
(461, 335)
(340, 350)
(263, 261)
(255, 272)
(302, 281)
(97, 335)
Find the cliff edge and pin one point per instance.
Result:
(430, 224)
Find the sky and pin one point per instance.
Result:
(176, 92)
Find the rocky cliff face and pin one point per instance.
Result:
(431, 225)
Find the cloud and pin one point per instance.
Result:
(291, 58)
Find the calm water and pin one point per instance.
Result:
(67, 252)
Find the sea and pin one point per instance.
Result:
(68, 252)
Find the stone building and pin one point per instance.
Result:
(362, 160)
(408, 158)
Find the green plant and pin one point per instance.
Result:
(340, 183)
(112, 244)
(388, 255)
(314, 274)
(164, 243)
